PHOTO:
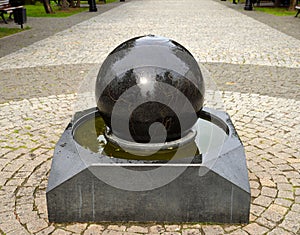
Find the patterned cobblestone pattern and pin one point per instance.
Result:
(258, 82)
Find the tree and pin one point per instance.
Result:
(69, 3)
(293, 3)
(47, 6)
(277, 3)
(64, 4)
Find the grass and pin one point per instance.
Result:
(39, 11)
(8, 31)
(110, 1)
(276, 11)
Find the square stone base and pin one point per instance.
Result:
(77, 193)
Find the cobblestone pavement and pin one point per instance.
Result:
(286, 24)
(43, 27)
(258, 80)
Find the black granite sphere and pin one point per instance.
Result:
(147, 80)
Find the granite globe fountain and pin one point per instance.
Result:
(149, 150)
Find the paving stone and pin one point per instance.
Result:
(239, 232)
(295, 207)
(278, 161)
(10, 226)
(60, 232)
(255, 229)
(231, 228)
(292, 175)
(285, 167)
(190, 231)
(252, 218)
(19, 232)
(252, 176)
(212, 230)
(264, 174)
(265, 222)
(286, 194)
(112, 232)
(254, 184)
(14, 182)
(46, 231)
(295, 182)
(263, 201)
(171, 233)
(283, 202)
(172, 228)
(280, 179)
(294, 216)
(197, 226)
(156, 229)
(270, 192)
(290, 225)
(36, 225)
(7, 216)
(272, 216)
(76, 228)
(256, 210)
(255, 193)
(93, 229)
(278, 209)
(116, 227)
(267, 183)
(137, 229)
(279, 231)
(282, 186)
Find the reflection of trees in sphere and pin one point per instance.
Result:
(149, 62)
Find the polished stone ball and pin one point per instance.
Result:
(151, 86)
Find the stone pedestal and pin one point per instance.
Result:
(76, 193)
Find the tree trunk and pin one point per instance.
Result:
(72, 4)
(47, 6)
(64, 4)
(78, 3)
(277, 3)
(292, 5)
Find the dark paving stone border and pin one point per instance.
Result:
(33, 82)
(26, 83)
(280, 82)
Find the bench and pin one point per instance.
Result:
(297, 8)
(272, 2)
(258, 2)
(7, 8)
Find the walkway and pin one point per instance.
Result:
(255, 66)
(43, 27)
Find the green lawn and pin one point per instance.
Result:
(275, 11)
(38, 10)
(8, 31)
